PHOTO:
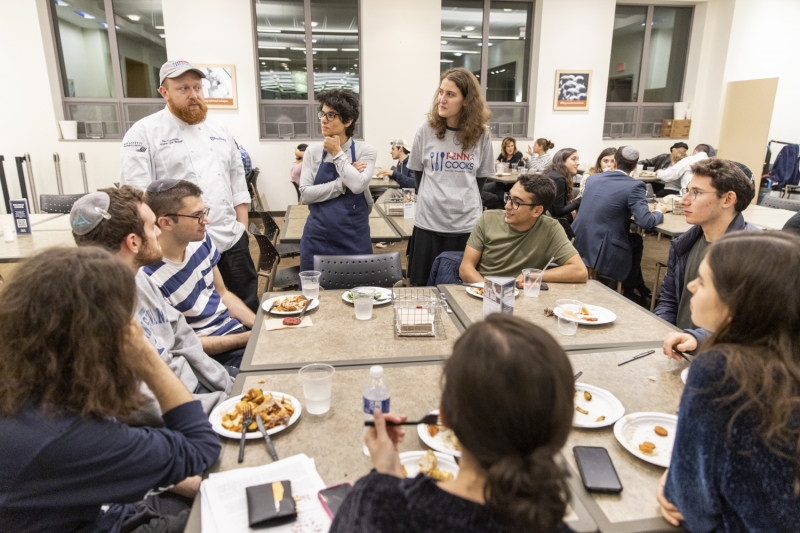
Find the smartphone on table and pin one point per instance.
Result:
(597, 470)
(332, 497)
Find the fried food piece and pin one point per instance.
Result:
(600, 419)
(587, 395)
(647, 447)
(661, 431)
(405, 472)
(273, 412)
(428, 465)
(582, 411)
(433, 430)
(585, 310)
(549, 312)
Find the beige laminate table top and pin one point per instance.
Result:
(403, 226)
(337, 338)
(634, 327)
(380, 183)
(762, 217)
(380, 229)
(48, 230)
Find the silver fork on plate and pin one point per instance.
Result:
(247, 419)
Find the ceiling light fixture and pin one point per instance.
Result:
(444, 42)
(61, 3)
(469, 28)
(135, 18)
(162, 35)
(84, 15)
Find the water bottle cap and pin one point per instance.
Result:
(376, 372)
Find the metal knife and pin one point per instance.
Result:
(300, 316)
(270, 447)
(271, 307)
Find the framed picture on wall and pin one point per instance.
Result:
(572, 91)
(219, 86)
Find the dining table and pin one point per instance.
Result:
(402, 225)
(47, 230)
(380, 229)
(765, 218)
(380, 183)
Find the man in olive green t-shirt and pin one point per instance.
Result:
(505, 242)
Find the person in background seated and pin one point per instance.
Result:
(493, 193)
(605, 162)
(505, 242)
(562, 171)
(736, 459)
(403, 175)
(677, 177)
(676, 152)
(297, 167)
(602, 234)
(72, 360)
(509, 153)
(539, 158)
(188, 277)
(510, 478)
(718, 193)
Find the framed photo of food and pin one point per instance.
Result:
(572, 90)
(219, 86)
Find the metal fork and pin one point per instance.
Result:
(247, 419)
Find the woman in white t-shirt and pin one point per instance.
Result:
(451, 157)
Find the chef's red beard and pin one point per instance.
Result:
(190, 115)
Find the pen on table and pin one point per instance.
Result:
(634, 358)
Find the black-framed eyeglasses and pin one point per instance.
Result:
(330, 115)
(516, 204)
(694, 193)
(199, 217)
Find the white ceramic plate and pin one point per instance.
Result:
(604, 316)
(633, 429)
(472, 292)
(685, 374)
(603, 403)
(410, 460)
(228, 405)
(385, 296)
(268, 303)
(437, 442)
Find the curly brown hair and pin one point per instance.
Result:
(125, 219)
(64, 316)
(474, 119)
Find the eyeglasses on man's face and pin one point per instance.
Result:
(515, 203)
(330, 115)
(695, 192)
(199, 217)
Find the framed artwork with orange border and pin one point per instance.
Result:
(572, 90)
(219, 86)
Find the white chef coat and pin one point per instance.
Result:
(163, 146)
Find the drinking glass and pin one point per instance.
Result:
(532, 281)
(309, 279)
(568, 326)
(363, 298)
(317, 380)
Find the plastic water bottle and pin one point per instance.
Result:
(376, 394)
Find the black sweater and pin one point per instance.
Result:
(560, 207)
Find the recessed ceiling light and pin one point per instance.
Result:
(469, 28)
(334, 68)
(61, 3)
(444, 42)
(103, 25)
(84, 15)
(457, 54)
(135, 18)
(507, 10)
(162, 35)
(159, 27)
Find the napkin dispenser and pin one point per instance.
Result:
(271, 504)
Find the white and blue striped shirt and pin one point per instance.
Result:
(189, 288)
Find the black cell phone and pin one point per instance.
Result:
(597, 470)
(332, 497)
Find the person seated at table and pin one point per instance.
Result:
(718, 193)
(562, 171)
(602, 234)
(505, 242)
(188, 277)
(509, 153)
(736, 458)
(605, 162)
(493, 193)
(403, 175)
(117, 220)
(676, 152)
(510, 478)
(538, 158)
(677, 177)
(72, 359)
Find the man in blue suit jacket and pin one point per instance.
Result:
(602, 235)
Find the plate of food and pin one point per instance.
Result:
(439, 466)
(648, 436)
(440, 438)
(288, 305)
(476, 290)
(589, 315)
(382, 296)
(277, 410)
(595, 407)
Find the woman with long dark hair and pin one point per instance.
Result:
(452, 156)
(736, 459)
(509, 478)
(562, 171)
(605, 162)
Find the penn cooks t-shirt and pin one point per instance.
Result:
(448, 200)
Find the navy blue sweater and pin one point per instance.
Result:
(404, 176)
(57, 471)
(721, 482)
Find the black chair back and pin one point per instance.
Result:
(781, 203)
(268, 255)
(58, 203)
(271, 229)
(348, 271)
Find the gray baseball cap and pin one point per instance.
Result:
(88, 212)
(173, 69)
(401, 143)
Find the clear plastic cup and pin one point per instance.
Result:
(317, 381)
(309, 280)
(532, 281)
(566, 325)
(363, 299)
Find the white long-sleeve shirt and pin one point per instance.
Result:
(680, 174)
(163, 146)
(357, 182)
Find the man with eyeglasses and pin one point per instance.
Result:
(505, 242)
(181, 142)
(188, 276)
(717, 195)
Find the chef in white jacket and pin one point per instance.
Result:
(181, 142)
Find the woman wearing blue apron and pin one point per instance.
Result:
(335, 184)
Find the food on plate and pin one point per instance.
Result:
(428, 464)
(478, 290)
(661, 431)
(600, 419)
(585, 310)
(587, 396)
(549, 312)
(273, 411)
(580, 410)
(647, 447)
(378, 295)
(584, 314)
(445, 434)
(433, 430)
(590, 318)
(291, 321)
(291, 304)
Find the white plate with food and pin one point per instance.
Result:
(439, 466)
(279, 412)
(648, 436)
(589, 315)
(382, 296)
(288, 305)
(685, 374)
(476, 290)
(440, 438)
(595, 407)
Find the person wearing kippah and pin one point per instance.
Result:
(677, 177)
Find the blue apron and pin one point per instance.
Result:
(339, 226)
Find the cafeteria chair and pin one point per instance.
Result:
(58, 203)
(251, 179)
(781, 203)
(656, 286)
(593, 275)
(273, 232)
(348, 271)
(268, 262)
